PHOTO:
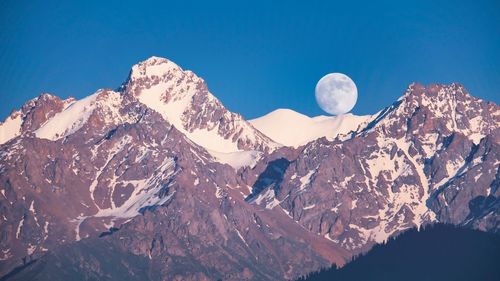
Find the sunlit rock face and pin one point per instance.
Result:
(177, 186)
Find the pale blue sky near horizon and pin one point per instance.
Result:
(256, 56)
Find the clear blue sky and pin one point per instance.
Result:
(255, 55)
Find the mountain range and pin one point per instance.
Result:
(157, 180)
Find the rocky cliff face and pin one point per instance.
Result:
(178, 187)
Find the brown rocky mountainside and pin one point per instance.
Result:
(159, 181)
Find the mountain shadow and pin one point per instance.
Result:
(272, 175)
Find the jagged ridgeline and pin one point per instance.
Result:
(161, 177)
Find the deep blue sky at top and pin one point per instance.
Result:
(256, 56)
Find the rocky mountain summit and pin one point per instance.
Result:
(161, 177)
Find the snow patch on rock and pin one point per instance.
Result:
(237, 159)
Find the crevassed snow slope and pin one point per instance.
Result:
(291, 128)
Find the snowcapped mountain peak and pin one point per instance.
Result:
(32, 115)
(437, 110)
(158, 74)
(75, 114)
(183, 100)
(418, 91)
(294, 129)
(158, 81)
(46, 96)
(153, 66)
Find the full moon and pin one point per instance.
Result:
(336, 93)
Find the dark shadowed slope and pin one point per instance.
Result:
(439, 253)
